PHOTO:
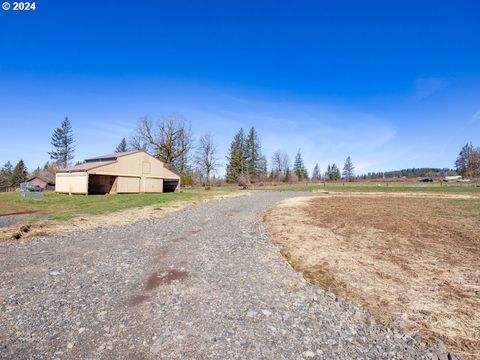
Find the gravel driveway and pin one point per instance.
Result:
(203, 283)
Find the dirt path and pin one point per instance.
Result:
(205, 282)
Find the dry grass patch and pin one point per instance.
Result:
(412, 262)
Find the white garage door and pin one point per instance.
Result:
(128, 184)
(153, 185)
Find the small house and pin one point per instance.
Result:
(118, 173)
(41, 182)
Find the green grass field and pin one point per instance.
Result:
(64, 207)
(473, 188)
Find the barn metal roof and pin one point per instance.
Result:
(111, 156)
(99, 161)
(85, 166)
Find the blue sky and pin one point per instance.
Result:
(393, 84)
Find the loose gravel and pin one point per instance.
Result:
(203, 283)
(9, 220)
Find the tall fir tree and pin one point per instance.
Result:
(316, 175)
(288, 175)
(334, 172)
(328, 172)
(256, 163)
(299, 168)
(348, 169)
(122, 147)
(19, 174)
(62, 141)
(236, 158)
(6, 174)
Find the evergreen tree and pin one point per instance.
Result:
(256, 163)
(19, 174)
(6, 175)
(271, 176)
(348, 169)
(236, 158)
(62, 141)
(334, 173)
(122, 147)
(288, 175)
(299, 168)
(316, 173)
(328, 173)
(305, 173)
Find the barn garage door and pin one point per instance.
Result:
(169, 185)
(153, 185)
(100, 184)
(128, 185)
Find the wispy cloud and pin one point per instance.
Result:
(107, 130)
(476, 117)
(325, 134)
(425, 87)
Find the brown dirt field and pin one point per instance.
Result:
(119, 218)
(412, 262)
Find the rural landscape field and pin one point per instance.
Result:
(411, 259)
(240, 180)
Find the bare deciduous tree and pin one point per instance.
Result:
(168, 139)
(280, 164)
(468, 161)
(206, 156)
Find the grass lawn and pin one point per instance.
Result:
(64, 207)
(378, 187)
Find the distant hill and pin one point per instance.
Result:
(409, 173)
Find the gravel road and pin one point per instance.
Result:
(203, 283)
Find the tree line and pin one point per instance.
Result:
(408, 173)
(170, 139)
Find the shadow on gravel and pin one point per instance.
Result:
(137, 299)
(156, 279)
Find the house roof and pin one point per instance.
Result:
(41, 178)
(85, 166)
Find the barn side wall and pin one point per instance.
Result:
(135, 165)
(71, 183)
(149, 170)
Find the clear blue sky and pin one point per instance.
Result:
(393, 84)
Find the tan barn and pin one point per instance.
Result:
(118, 173)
